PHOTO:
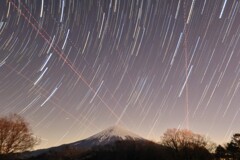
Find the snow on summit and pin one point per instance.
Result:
(108, 136)
(115, 131)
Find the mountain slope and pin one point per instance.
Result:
(106, 137)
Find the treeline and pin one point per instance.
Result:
(132, 150)
(126, 150)
(230, 151)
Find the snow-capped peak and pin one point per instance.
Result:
(115, 132)
(108, 136)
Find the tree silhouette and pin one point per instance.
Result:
(186, 144)
(233, 147)
(220, 152)
(178, 139)
(236, 139)
(15, 135)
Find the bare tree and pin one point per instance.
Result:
(177, 139)
(187, 145)
(15, 135)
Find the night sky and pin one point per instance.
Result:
(75, 67)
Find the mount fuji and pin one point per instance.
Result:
(106, 137)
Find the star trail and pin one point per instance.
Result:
(75, 67)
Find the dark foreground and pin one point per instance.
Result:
(123, 150)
